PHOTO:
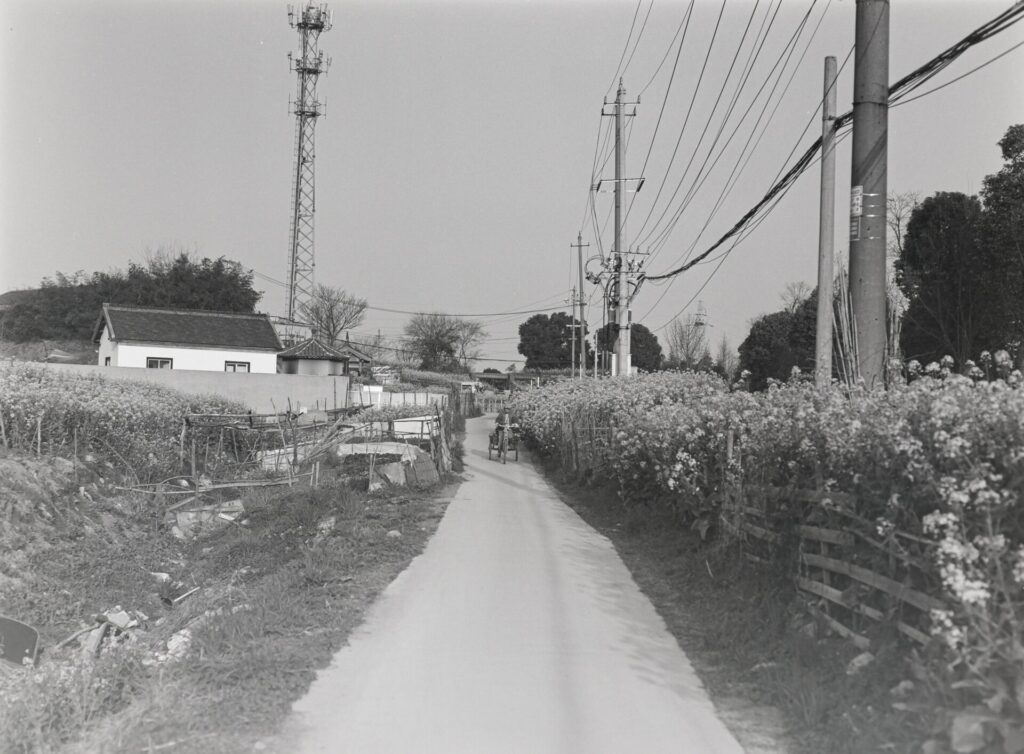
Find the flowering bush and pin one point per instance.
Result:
(135, 424)
(940, 459)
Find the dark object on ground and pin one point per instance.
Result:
(18, 642)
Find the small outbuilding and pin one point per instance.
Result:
(311, 356)
(148, 338)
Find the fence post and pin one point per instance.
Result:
(3, 430)
(39, 434)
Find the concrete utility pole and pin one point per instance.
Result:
(579, 246)
(826, 230)
(572, 333)
(868, 188)
(621, 365)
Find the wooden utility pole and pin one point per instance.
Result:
(572, 333)
(826, 230)
(868, 189)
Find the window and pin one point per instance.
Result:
(236, 366)
(159, 363)
(106, 361)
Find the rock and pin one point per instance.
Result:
(394, 534)
(178, 644)
(902, 689)
(859, 662)
(120, 618)
(161, 577)
(810, 629)
(326, 526)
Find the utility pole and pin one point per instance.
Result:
(622, 354)
(579, 246)
(826, 230)
(620, 294)
(868, 188)
(572, 333)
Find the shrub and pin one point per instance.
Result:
(136, 424)
(940, 460)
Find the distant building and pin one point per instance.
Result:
(312, 357)
(135, 336)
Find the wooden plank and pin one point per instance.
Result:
(832, 536)
(838, 597)
(860, 641)
(759, 532)
(883, 583)
(913, 633)
(753, 511)
(754, 558)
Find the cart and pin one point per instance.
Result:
(511, 445)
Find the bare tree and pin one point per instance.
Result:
(434, 338)
(794, 294)
(470, 336)
(899, 207)
(727, 361)
(332, 310)
(688, 343)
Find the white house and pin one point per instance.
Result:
(136, 336)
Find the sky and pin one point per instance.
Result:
(455, 160)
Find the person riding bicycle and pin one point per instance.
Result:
(503, 423)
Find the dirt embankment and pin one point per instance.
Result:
(278, 591)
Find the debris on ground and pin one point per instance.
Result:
(188, 523)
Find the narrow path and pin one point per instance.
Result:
(518, 631)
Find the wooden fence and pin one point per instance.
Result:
(853, 579)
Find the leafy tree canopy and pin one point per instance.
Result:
(546, 341)
(645, 350)
(67, 306)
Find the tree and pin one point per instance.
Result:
(1003, 231)
(546, 341)
(726, 360)
(688, 344)
(67, 306)
(332, 311)
(795, 294)
(645, 350)
(766, 352)
(899, 208)
(469, 336)
(953, 282)
(434, 339)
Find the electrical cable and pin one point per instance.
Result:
(790, 46)
(898, 90)
(741, 163)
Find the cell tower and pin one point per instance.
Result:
(310, 20)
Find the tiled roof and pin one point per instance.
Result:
(313, 349)
(188, 327)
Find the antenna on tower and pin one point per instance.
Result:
(308, 64)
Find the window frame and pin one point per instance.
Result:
(158, 365)
(236, 364)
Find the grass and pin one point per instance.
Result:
(278, 597)
(745, 633)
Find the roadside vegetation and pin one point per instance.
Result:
(938, 460)
(229, 627)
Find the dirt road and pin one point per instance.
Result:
(518, 630)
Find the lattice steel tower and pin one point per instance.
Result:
(310, 20)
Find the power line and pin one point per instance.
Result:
(961, 76)
(900, 89)
(676, 215)
(625, 47)
(686, 120)
(741, 163)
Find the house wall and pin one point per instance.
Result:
(263, 393)
(203, 359)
